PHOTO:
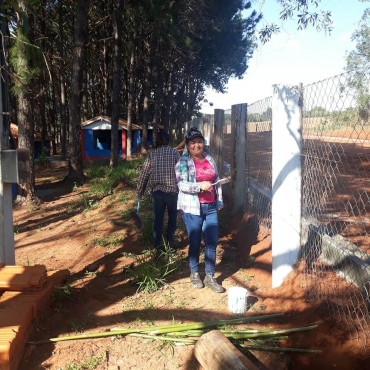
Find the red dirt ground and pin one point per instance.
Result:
(60, 235)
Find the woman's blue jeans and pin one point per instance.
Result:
(161, 201)
(207, 223)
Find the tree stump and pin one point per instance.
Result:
(214, 351)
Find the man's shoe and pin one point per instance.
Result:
(195, 280)
(174, 244)
(211, 282)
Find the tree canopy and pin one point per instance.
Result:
(358, 65)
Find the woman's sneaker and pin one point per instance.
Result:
(211, 282)
(195, 280)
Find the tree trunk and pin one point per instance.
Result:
(147, 92)
(157, 105)
(85, 98)
(26, 140)
(53, 120)
(24, 116)
(169, 101)
(105, 78)
(78, 59)
(179, 109)
(116, 84)
(63, 115)
(131, 96)
(43, 80)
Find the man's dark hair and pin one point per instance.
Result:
(162, 139)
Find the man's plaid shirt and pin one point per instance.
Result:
(158, 172)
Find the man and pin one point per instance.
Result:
(158, 178)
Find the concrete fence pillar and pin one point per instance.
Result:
(286, 180)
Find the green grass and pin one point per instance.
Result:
(146, 231)
(90, 364)
(104, 178)
(62, 292)
(109, 240)
(150, 272)
(77, 327)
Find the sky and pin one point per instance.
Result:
(292, 56)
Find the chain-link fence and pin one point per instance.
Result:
(259, 163)
(336, 198)
(335, 224)
(335, 192)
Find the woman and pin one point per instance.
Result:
(199, 201)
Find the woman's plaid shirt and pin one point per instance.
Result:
(189, 188)
(158, 172)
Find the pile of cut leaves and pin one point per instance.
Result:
(188, 334)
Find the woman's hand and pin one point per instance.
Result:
(205, 185)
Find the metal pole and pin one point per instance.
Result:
(7, 250)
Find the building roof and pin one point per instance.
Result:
(106, 119)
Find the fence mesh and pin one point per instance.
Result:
(335, 224)
(336, 199)
(259, 163)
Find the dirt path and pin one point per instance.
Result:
(69, 230)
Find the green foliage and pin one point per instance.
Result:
(358, 66)
(146, 233)
(62, 292)
(86, 203)
(318, 112)
(104, 178)
(90, 364)
(43, 157)
(301, 10)
(225, 25)
(25, 56)
(151, 270)
(265, 116)
(109, 240)
(77, 327)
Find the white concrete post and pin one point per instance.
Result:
(286, 180)
(238, 135)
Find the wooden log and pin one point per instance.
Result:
(214, 351)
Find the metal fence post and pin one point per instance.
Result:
(238, 135)
(286, 180)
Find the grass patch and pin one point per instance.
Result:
(90, 364)
(62, 292)
(146, 231)
(103, 179)
(109, 240)
(151, 270)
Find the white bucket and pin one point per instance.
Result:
(237, 299)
